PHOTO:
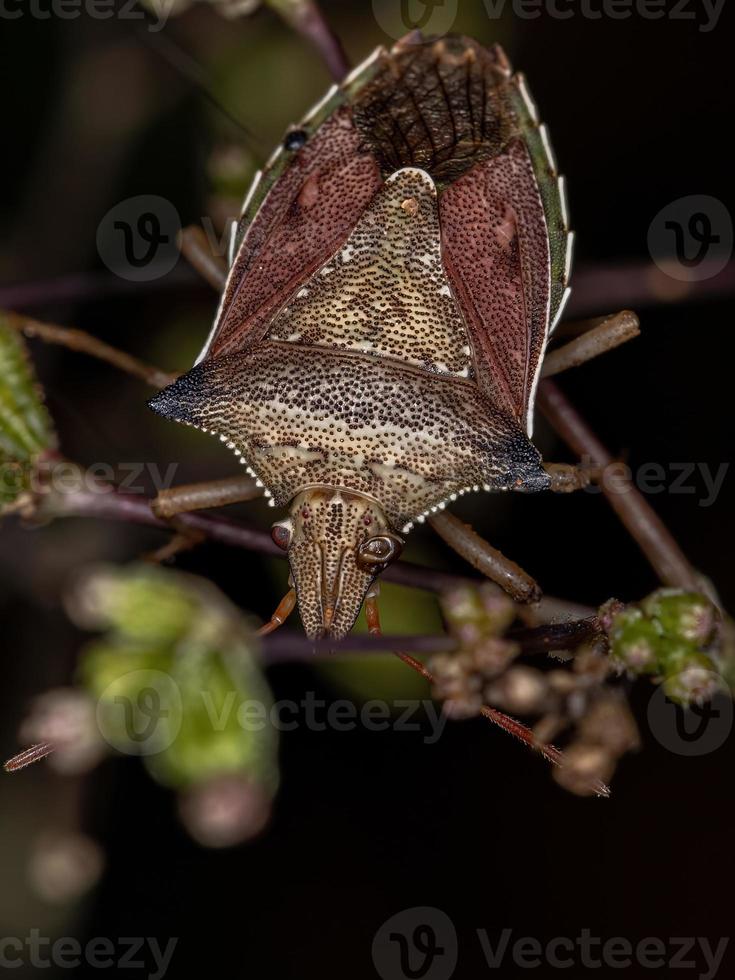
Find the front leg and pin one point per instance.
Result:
(196, 496)
(202, 496)
(466, 542)
(568, 477)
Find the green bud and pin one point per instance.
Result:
(691, 678)
(686, 616)
(473, 613)
(635, 642)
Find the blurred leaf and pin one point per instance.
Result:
(176, 676)
(26, 430)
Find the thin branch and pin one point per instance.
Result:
(84, 287)
(645, 526)
(285, 645)
(107, 503)
(618, 285)
(196, 249)
(79, 340)
(624, 284)
(306, 17)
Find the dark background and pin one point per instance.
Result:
(367, 824)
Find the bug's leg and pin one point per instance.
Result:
(284, 609)
(196, 249)
(596, 337)
(508, 724)
(568, 477)
(201, 496)
(185, 539)
(196, 496)
(486, 559)
(372, 612)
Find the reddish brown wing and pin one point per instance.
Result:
(305, 216)
(455, 109)
(496, 253)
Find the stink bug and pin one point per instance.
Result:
(394, 277)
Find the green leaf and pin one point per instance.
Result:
(26, 430)
(176, 677)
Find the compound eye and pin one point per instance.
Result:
(282, 532)
(380, 550)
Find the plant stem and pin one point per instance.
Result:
(645, 526)
(283, 646)
(107, 503)
(306, 17)
(79, 340)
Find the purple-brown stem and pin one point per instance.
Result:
(284, 645)
(645, 526)
(306, 17)
(79, 340)
(107, 503)
(596, 287)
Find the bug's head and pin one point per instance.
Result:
(337, 542)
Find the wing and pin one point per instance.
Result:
(456, 110)
(496, 253)
(304, 215)
(385, 292)
(453, 110)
